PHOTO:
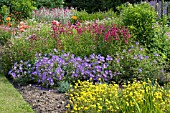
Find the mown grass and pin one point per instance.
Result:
(11, 100)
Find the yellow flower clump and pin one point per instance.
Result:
(138, 97)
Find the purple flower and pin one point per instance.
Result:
(140, 56)
(104, 65)
(98, 68)
(34, 73)
(137, 43)
(135, 57)
(109, 58)
(156, 54)
(91, 75)
(106, 72)
(140, 70)
(29, 65)
(146, 57)
(92, 56)
(86, 59)
(58, 70)
(162, 70)
(10, 72)
(101, 58)
(74, 74)
(44, 76)
(13, 75)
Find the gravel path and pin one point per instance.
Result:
(43, 100)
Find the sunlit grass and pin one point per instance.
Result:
(10, 99)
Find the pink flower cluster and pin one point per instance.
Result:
(96, 30)
(115, 33)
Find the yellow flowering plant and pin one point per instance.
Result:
(138, 97)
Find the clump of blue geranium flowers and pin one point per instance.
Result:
(49, 69)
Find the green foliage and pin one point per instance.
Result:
(25, 7)
(5, 2)
(27, 45)
(141, 20)
(86, 39)
(64, 87)
(131, 63)
(94, 5)
(18, 8)
(49, 3)
(83, 45)
(84, 16)
(4, 36)
(4, 12)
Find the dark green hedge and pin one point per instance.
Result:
(96, 5)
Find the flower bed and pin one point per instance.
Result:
(59, 52)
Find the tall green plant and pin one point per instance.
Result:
(142, 22)
(19, 8)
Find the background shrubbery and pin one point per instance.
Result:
(147, 28)
(17, 8)
(49, 3)
(96, 5)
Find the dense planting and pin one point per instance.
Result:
(125, 56)
(48, 69)
(138, 97)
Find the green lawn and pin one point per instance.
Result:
(11, 100)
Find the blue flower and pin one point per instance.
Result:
(109, 58)
(137, 43)
(156, 54)
(140, 70)
(146, 57)
(13, 75)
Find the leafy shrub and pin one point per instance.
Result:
(5, 35)
(49, 3)
(96, 5)
(25, 7)
(18, 9)
(84, 16)
(138, 97)
(135, 62)
(141, 20)
(4, 13)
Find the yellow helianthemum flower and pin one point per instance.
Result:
(74, 17)
(8, 18)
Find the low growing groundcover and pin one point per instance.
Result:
(10, 99)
